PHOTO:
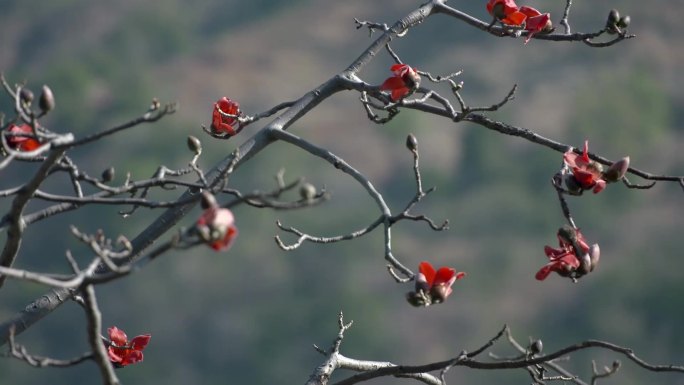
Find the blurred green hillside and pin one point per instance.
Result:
(251, 315)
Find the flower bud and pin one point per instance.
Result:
(415, 299)
(439, 293)
(307, 191)
(613, 18)
(624, 22)
(411, 142)
(536, 347)
(108, 175)
(26, 96)
(616, 365)
(47, 100)
(567, 234)
(594, 255)
(585, 264)
(617, 170)
(194, 145)
(571, 184)
(208, 200)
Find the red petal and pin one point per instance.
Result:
(585, 153)
(117, 336)
(585, 178)
(514, 18)
(543, 273)
(460, 275)
(529, 11)
(399, 69)
(399, 93)
(139, 342)
(115, 355)
(428, 271)
(226, 242)
(133, 357)
(444, 275)
(393, 83)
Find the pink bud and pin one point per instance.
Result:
(617, 170)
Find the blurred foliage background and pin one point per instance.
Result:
(251, 315)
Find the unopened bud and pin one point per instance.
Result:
(415, 299)
(208, 200)
(536, 347)
(613, 17)
(411, 142)
(624, 21)
(617, 170)
(26, 96)
(571, 184)
(439, 293)
(585, 264)
(307, 191)
(108, 175)
(194, 145)
(568, 234)
(616, 365)
(594, 255)
(47, 100)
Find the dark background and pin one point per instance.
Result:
(251, 315)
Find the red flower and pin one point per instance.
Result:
(586, 173)
(123, 353)
(433, 286)
(404, 81)
(216, 226)
(22, 143)
(536, 21)
(573, 259)
(221, 122)
(506, 11)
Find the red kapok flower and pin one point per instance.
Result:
(404, 81)
(574, 258)
(587, 173)
(433, 286)
(536, 21)
(506, 11)
(123, 353)
(21, 143)
(221, 119)
(216, 226)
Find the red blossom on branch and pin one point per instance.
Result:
(506, 11)
(123, 353)
(536, 22)
(585, 172)
(405, 81)
(22, 143)
(224, 117)
(574, 258)
(216, 226)
(433, 286)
